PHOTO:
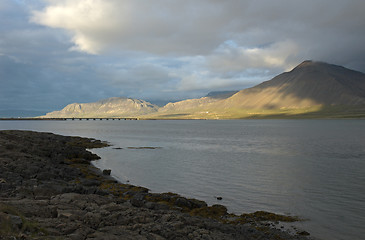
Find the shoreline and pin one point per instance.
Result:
(50, 190)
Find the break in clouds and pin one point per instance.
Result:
(85, 50)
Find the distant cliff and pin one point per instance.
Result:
(112, 107)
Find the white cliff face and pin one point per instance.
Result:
(112, 107)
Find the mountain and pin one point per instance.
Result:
(307, 85)
(111, 107)
(221, 94)
(312, 89)
(179, 108)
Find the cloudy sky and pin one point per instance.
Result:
(56, 52)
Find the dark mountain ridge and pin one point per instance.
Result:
(221, 94)
(322, 82)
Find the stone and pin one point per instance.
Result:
(183, 202)
(107, 172)
(303, 233)
(136, 202)
(197, 203)
(16, 221)
(90, 182)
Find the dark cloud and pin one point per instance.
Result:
(56, 52)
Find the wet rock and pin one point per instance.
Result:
(183, 202)
(197, 203)
(303, 233)
(107, 172)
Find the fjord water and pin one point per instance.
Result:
(314, 169)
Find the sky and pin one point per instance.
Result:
(57, 52)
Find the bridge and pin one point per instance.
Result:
(73, 119)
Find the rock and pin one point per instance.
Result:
(139, 196)
(160, 206)
(136, 203)
(183, 202)
(92, 219)
(16, 221)
(107, 172)
(101, 192)
(197, 203)
(137, 199)
(80, 161)
(90, 182)
(150, 205)
(219, 198)
(64, 214)
(45, 176)
(303, 233)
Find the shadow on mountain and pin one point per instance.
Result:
(324, 112)
(323, 83)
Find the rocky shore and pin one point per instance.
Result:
(49, 190)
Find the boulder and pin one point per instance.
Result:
(107, 172)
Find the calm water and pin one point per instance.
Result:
(311, 168)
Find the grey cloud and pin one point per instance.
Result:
(36, 69)
(78, 51)
(199, 27)
(35, 87)
(321, 30)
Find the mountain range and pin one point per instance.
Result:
(111, 107)
(310, 90)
